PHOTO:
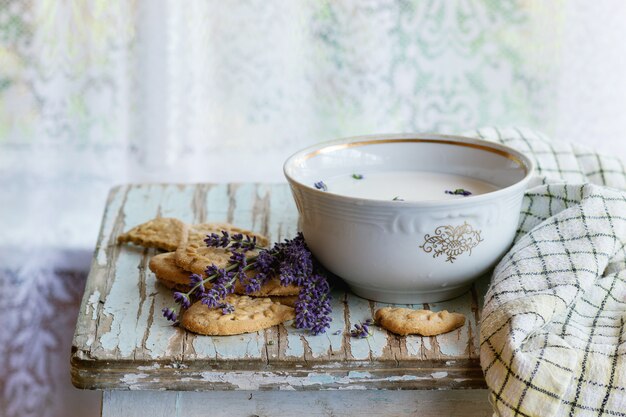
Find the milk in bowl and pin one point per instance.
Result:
(407, 186)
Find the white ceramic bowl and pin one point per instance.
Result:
(409, 252)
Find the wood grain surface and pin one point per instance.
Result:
(123, 342)
(465, 403)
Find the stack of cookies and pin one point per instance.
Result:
(187, 254)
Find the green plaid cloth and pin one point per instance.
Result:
(552, 341)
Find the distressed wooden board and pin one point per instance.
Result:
(122, 342)
(466, 403)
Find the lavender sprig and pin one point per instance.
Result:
(235, 241)
(361, 330)
(459, 191)
(313, 305)
(182, 299)
(227, 308)
(222, 280)
(290, 260)
(196, 282)
(321, 186)
(169, 314)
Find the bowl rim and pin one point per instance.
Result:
(329, 146)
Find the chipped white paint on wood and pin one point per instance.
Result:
(92, 305)
(122, 341)
(467, 403)
(112, 210)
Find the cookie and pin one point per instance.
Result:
(173, 286)
(163, 233)
(286, 300)
(165, 269)
(199, 232)
(250, 315)
(196, 257)
(272, 288)
(405, 321)
(168, 273)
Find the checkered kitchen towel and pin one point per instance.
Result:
(553, 340)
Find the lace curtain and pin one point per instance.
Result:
(94, 93)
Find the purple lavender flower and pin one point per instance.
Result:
(169, 314)
(220, 275)
(211, 298)
(182, 299)
(227, 308)
(222, 280)
(254, 283)
(239, 259)
(296, 264)
(321, 186)
(459, 191)
(242, 242)
(264, 262)
(197, 285)
(290, 260)
(361, 330)
(226, 240)
(313, 305)
(216, 241)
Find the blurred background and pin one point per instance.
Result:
(95, 93)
